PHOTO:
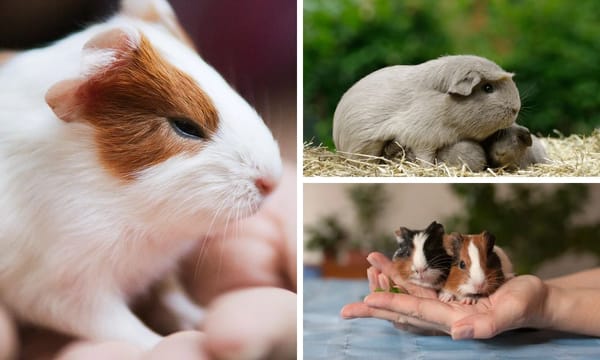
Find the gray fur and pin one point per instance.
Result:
(467, 152)
(426, 106)
(514, 148)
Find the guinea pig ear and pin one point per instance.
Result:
(463, 84)
(524, 136)
(67, 98)
(490, 240)
(159, 12)
(402, 234)
(435, 229)
(453, 243)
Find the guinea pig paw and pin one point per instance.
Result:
(445, 297)
(469, 301)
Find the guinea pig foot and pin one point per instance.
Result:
(445, 297)
(392, 150)
(469, 300)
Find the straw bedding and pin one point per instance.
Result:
(569, 156)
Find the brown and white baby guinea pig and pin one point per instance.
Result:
(514, 148)
(421, 257)
(478, 268)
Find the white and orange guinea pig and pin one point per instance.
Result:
(119, 149)
(478, 267)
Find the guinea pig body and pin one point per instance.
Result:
(421, 257)
(465, 152)
(478, 268)
(514, 148)
(120, 148)
(426, 107)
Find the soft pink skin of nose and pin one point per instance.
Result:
(265, 185)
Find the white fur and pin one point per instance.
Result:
(413, 105)
(476, 273)
(419, 260)
(429, 276)
(77, 243)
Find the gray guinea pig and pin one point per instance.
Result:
(426, 106)
(514, 148)
(467, 152)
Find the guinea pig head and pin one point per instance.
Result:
(481, 97)
(506, 147)
(421, 257)
(176, 137)
(476, 269)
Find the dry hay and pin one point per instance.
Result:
(571, 156)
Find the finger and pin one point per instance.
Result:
(416, 325)
(384, 282)
(104, 350)
(372, 275)
(185, 345)
(8, 336)
(361, 310)
(430, 310)
(387, 267)
(252, 323)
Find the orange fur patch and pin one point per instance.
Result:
(128, 103)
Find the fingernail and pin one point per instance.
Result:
(372, 261)
(463, 332)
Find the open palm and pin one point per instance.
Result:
(517, 303)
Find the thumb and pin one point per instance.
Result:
(478, 326)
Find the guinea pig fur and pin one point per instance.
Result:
(421, 257)
(120, 148)
(478, 267)
(426, 107)
(465, 152)
(514, 148)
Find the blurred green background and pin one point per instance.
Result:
(553, 46)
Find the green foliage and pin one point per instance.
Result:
(369, 201)
(345, 40)
(326, 235)
(553, 46)
(534, 223)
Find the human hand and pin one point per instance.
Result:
(518, 303)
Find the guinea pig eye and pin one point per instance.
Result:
(462, 265)
(488, 88)
(186, 128)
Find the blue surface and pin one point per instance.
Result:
(328, 336)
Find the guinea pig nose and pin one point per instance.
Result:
(265, 185)
(515, 111)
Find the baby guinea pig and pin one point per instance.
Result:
(465, 152)
(514, 148)
(478, 267)
(421, 257)
(426, 107)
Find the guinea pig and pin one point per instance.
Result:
(514, 148)
(465, 152)
(426, 107)
(120, 149)
(478, 267)
(421, 257)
